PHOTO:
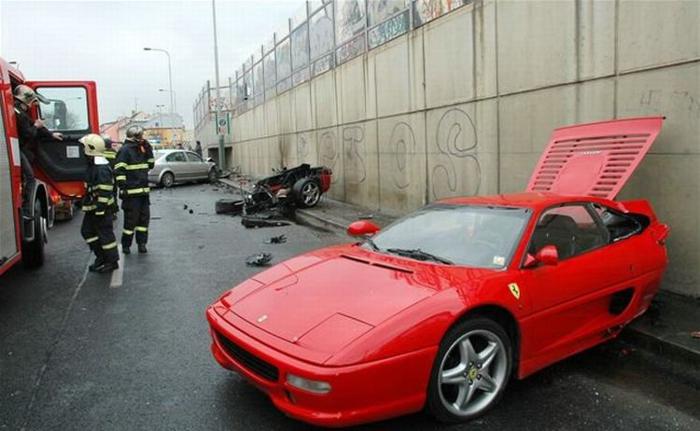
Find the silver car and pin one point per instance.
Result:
(179, 166)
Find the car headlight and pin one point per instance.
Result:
(315, 386)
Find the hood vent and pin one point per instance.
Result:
(378, 264)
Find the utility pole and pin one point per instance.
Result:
(219, 130)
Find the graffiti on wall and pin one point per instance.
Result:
(403, 146)
(456, 141)
(328, 152)
(303, 150)
(354, 167)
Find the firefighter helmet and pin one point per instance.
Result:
(134, 132)
(27, 95)
(93, 144)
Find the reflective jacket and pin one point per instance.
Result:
(134, 160)
(111, 157)
(99, 188)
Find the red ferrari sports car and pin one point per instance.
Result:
(442, 307)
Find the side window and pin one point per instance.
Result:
(571, 229)
(618, 225)
(192, 157)
(176, 157)
(67, 109)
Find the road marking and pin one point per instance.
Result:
(52, 347)
(118, 274)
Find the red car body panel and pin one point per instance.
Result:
(594, 159)
(359, 319)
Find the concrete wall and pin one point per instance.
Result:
(465, 105)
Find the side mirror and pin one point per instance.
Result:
(547, 255)
(362, 228)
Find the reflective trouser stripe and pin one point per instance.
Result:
(108, 201)
(135, 191)
(136, 167)
(109, 246)
(99, 213)
(105, 187)
(120, 178)
(91, 239)
(141, 229)
(127, 232)
(89, 208)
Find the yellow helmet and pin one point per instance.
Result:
(93, 144)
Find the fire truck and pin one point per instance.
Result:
(59, 166)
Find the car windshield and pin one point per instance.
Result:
(477, 236)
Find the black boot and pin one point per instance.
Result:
(98, 262)
(142, 248)
(107, 267)
(125, 249)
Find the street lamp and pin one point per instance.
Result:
(170, 76)
(174, 95)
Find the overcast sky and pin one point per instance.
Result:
(103, 41)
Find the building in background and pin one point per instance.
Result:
(161, 130)
(165, 130)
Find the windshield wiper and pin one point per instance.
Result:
(371, 243)
(419, 254)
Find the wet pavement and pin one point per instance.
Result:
(78, 354)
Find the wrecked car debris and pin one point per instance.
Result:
(229, 206)
(258, 221)
(260, 259)
(276, 197)
(279, 239)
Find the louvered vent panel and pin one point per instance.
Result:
(595, 159)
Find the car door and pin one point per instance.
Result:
(178, 164)
(198, 168)
(571, 300)
(72, 111)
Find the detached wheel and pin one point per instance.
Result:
(212, 177)
(471, 370)
(33, 251)
(167, 180)
(307, 193)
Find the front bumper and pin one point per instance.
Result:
(359, 393)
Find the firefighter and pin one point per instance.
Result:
(97, 206)
(134, 160)
(30, 132)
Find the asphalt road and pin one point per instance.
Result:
(79, 351)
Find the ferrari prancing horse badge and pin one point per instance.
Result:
(514, 289)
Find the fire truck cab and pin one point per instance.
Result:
(58, 166)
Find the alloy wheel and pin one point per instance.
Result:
(472, 372)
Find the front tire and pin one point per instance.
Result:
(33, 251)
(471, 370)
(167, 180)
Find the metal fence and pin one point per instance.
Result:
(322, 35)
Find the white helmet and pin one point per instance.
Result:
(27, 95)
(93, 144)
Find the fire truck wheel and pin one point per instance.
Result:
(33, 251)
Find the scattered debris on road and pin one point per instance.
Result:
(262, 221)
(260, 259)
(229, 206)
(279, 239)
